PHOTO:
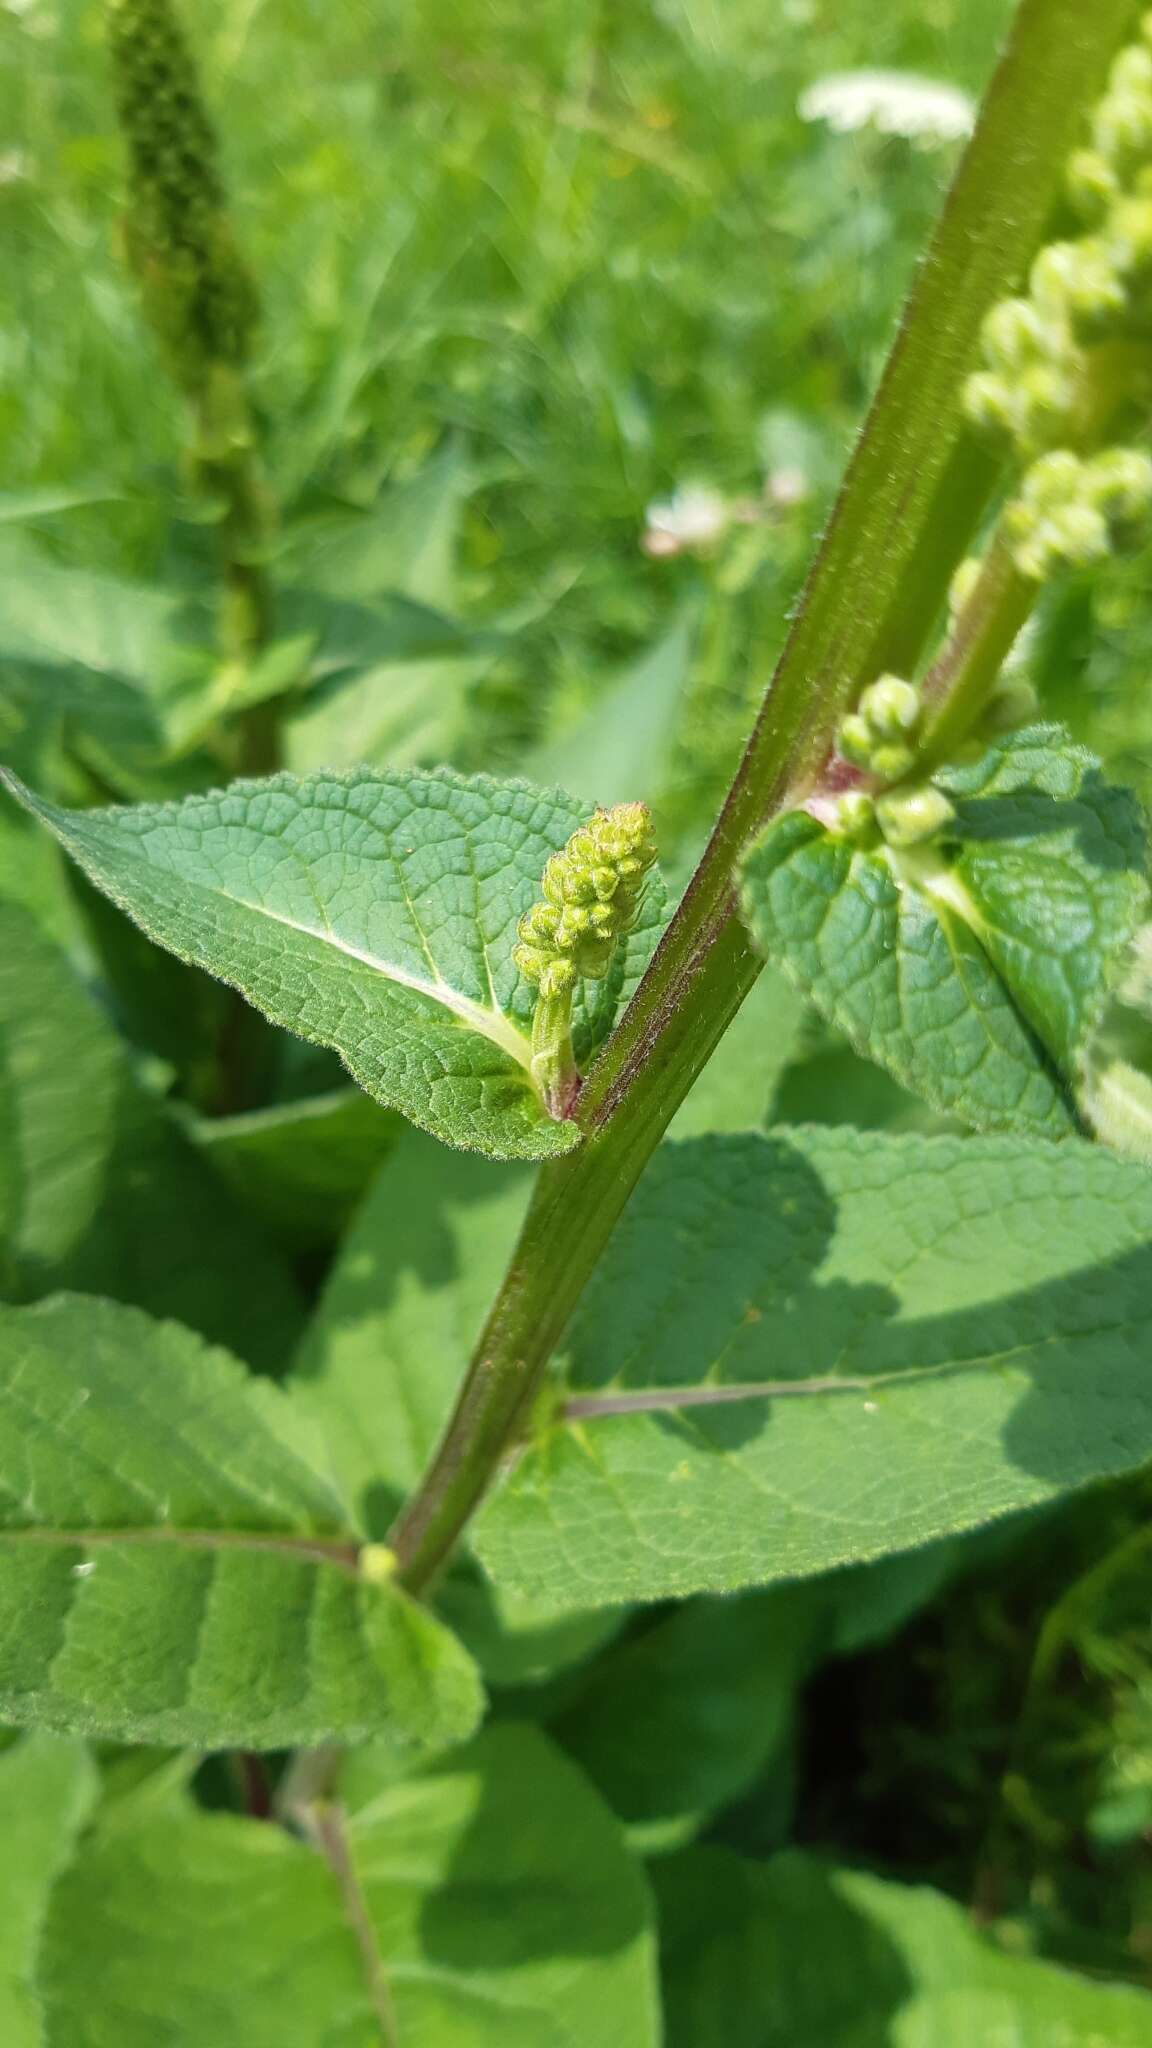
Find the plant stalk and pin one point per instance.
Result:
(888, 521)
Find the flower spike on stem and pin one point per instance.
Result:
(592, 891)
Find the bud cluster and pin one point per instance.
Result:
(197, 293)
(880, 735)
(1071, 510)
(1032, 386)
(592, 894)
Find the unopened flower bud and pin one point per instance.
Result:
(891, 762)
(890, 707)
(1120, 481)
(909, 817)
(855, 740)
(1122, 127)
(592, 891)
(856, 818)
(1079, 281)
(1129, 232)
(1093, 186)
(1014, 333)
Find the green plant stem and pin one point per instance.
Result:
(961, 682)
(855, 607)
(227, 469)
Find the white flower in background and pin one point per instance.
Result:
(896, 102)
(695, 517)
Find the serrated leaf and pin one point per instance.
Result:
(171, 1570)
(796, 1952)
(495, 1902)
(827, 1347)
(47, 1789)
(975, 974)
(384, 1355)
(104, 1191)
(374, 913)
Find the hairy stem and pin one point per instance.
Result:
(887, 525)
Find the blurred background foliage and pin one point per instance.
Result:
(529, 269)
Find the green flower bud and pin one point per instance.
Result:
(1079, 282)
(856, 818)
(1120, 482)
(855, 740)
(1093, 186)
(1122, 127)
(890, 707)
(592, 891)
(1014, 334)
(988, 403)
(1129, 231)
(909, 817)
(1132, 71)
(197, 294)
(890, 763)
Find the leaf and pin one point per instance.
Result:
(975, 977)
(104, 657)
(677, 1721)
(47, 1789)
(301, 1166)
(170, 1568)
(497, 1909)
(372, 913)
(796, 1951)
(104, 1192)
(379, 589)
(383, 1357)
(827, 1347)
(620, 748)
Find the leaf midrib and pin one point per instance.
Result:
(490, 1023)
(341, 1551)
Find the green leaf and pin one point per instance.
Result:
(677, 1721)
(372, 913)
(171, 1570)
(488, 1903)
(736, 1089)
(797, 1952)
(47, 1789)
(620, 748)
(974, 975)
(100, 657)
(302, 1166)
(825, 1347)
(105, 1194)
